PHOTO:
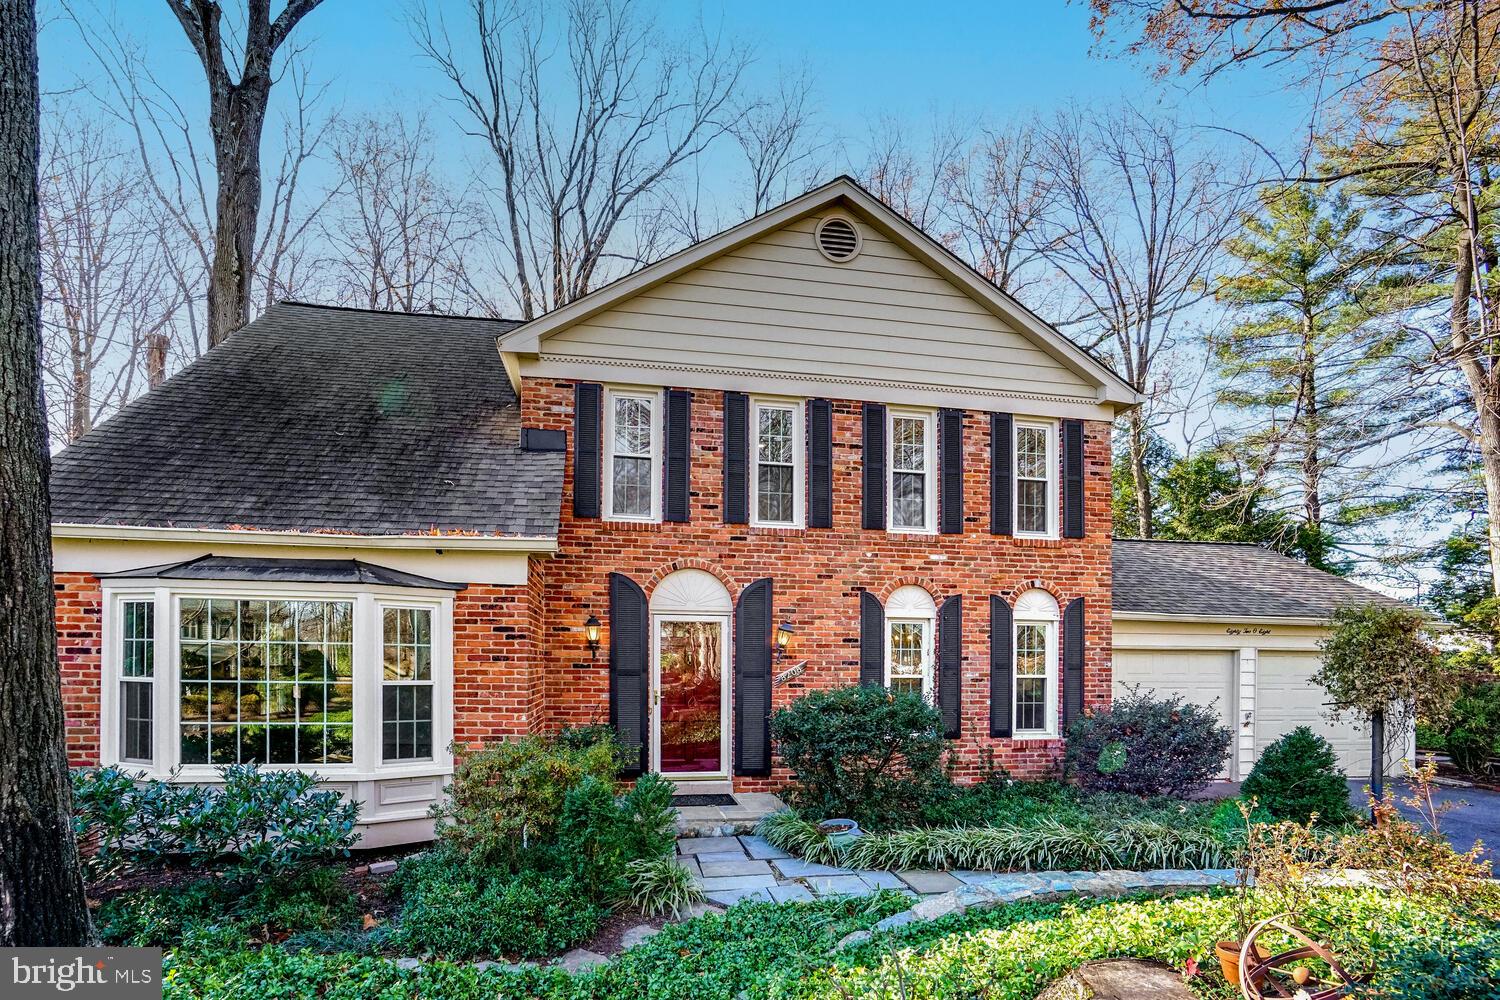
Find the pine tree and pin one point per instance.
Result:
(1303, 364)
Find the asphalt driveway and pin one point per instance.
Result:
(1473, 813)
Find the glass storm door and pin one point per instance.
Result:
(690, 733)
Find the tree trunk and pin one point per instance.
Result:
(1479, 373)
(1140, 476)
(237, 160)
(41, 885)
(81, 414)
(1312, 456)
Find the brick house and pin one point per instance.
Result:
(813, 450)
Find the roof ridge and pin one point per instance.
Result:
(396, 312)
(1197, 541)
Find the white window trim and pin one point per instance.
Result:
(655, 397)
(1050, 427)
(368, 675)
(799, 461)
(1044, 613)
(929, 461)
(929, 626)
(380, 608)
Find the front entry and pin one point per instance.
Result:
(690, 695)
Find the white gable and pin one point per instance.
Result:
(771, 313)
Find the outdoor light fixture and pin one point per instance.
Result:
(784, 634)
(591, 636)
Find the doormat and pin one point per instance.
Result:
(703, 800)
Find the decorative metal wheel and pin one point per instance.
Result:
(1286, 975)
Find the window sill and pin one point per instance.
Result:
(331, 774)
(778, 529)
(1035, 737)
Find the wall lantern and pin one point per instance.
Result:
(784, 633)
(591, 636)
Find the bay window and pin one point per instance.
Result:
(137, 685)
(348, 681)
(406, 692)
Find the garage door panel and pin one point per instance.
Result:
(1202, 677)
(1287, 698)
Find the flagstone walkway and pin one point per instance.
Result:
(732, 869)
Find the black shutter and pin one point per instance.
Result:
(1072, 464)
(1001, 475)
(679, 447)
(629, 645)
(951, 461)
(1072, 655)
(736, 457)
(1002, 666)
(820, 464)
(874, 466)
(950, 671)
(586, 450)
(871, 640)
(752, 681)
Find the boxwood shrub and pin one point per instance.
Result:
(862, 753)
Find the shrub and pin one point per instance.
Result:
(1146, 745)
(1297, 778)
(254, 825)
(1438, 968)
(861, 752)
(453, 907)
(1473, 735)
(599, 834)
(164, 917)
(508, 796)
(661, 885)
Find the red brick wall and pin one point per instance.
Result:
(79, 610)
(496, 685)
(819, 573)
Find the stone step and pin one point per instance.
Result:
(701, 786)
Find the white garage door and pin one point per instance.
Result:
(1203, 677)
(1286, 698)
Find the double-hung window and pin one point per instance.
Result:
(137, 684)
(1036, 665)
(406, 688)
(1036, 478)
(632, 435)
(777, 470)
(912, 459)
(911, 620)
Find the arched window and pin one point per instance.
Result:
(910, 620)
(1036, 665)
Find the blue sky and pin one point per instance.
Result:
(978, 61)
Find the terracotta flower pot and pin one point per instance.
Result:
(1229, 959)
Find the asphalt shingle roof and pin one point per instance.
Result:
(1229, 580)
(322, 419)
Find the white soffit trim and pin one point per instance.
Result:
(130, 532)
(1112, 389)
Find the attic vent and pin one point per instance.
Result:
(837, 239)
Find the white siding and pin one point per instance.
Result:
(883, 317)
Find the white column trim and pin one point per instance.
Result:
(1246, 664)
